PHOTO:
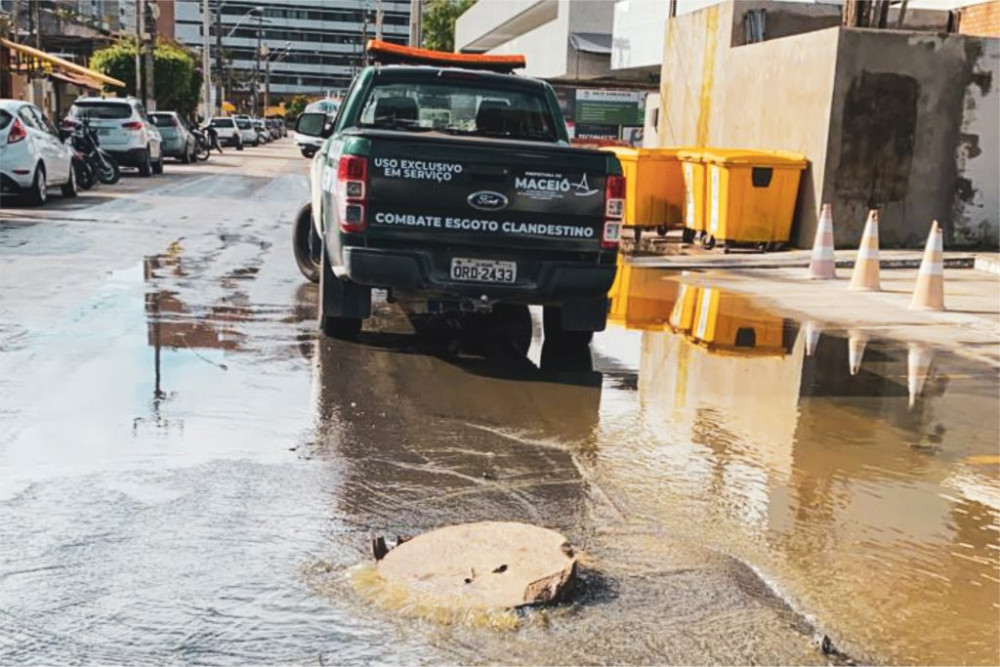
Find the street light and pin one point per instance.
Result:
(267, 71)
(218, 41)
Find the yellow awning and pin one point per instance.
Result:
(64, 64)
(228, 107)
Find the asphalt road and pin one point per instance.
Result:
(190, 473)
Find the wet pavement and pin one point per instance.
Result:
(188, 473)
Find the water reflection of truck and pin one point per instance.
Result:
(426, 440)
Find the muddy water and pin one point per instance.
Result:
(187, 474)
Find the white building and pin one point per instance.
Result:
(327, 38)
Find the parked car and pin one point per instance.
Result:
(125, 131)
(247, 131)
(482, 207)
(228, 133)
(32, 155)
(178, 142)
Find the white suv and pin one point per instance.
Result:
(124, 130)
(229, 135)
(32, 157)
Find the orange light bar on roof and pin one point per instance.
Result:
(386, 53)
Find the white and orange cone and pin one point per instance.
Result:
(856, 343)
(822, 266)
(865, 277)
(929, 293)
(918, 365)
(812, 333)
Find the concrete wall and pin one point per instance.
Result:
(715, 95)
(894, 136)
(977, 200)
(760, 106)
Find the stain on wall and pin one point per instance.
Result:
(879, 120)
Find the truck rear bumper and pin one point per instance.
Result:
(411, 270)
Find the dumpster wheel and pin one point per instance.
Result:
(707, 241)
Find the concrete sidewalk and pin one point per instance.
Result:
(970, 326)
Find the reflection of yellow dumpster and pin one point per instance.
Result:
(682, 316)
(750, 196)
(642, 298)
(728, 322)
(654, 188)
(618, 294)
(693, 170)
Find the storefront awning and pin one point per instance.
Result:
(65, 65)
(591, 42)
(81, 81)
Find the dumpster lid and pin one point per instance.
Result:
(757, 158)
(632, 153)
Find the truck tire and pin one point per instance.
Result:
(305, 242)
(552, 323)
(342, 305)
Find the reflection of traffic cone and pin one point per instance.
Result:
(812, 332)
(856, 342)
(822, 266)
(918, 363)
(929, 294)
(865, 276)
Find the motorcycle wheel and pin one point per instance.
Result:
(201, 153)
(84, 176)
(108, 171)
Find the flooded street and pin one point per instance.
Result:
(190, 473)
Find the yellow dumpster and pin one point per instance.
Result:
(654, 188)
(693, 170)
(725, 322)
(750, 196)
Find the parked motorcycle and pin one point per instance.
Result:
(84, 140)
(202, 142)
(85, 177)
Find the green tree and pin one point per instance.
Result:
(296, 106)
(438, 23)
(176, 78)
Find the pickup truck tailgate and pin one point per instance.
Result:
(459, 191)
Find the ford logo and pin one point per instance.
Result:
(487, 201)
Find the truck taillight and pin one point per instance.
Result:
(352, 192)
(614, 210)
(17, 132)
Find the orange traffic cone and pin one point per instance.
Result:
(929, 294)
(865, 276)
(822, 265)
(918, 364)
(812, 333)
(856, 343)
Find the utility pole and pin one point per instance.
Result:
(206, 60)
(416, 14)
(378, 20)
(138, 49)
(149, 22)
(218, 55)
(37, 9)
(256, 62)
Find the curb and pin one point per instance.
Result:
(954, 262)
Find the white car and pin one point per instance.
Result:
(225, 128)
(32, 156)
(124, 130)
(245, 123)
(309, 145)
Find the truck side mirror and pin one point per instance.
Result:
(312, 125)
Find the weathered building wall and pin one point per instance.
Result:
(977, 197)
(895, 125)
(907, 121)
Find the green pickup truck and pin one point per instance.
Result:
(458, 186)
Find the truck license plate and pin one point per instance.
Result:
(483, 270)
